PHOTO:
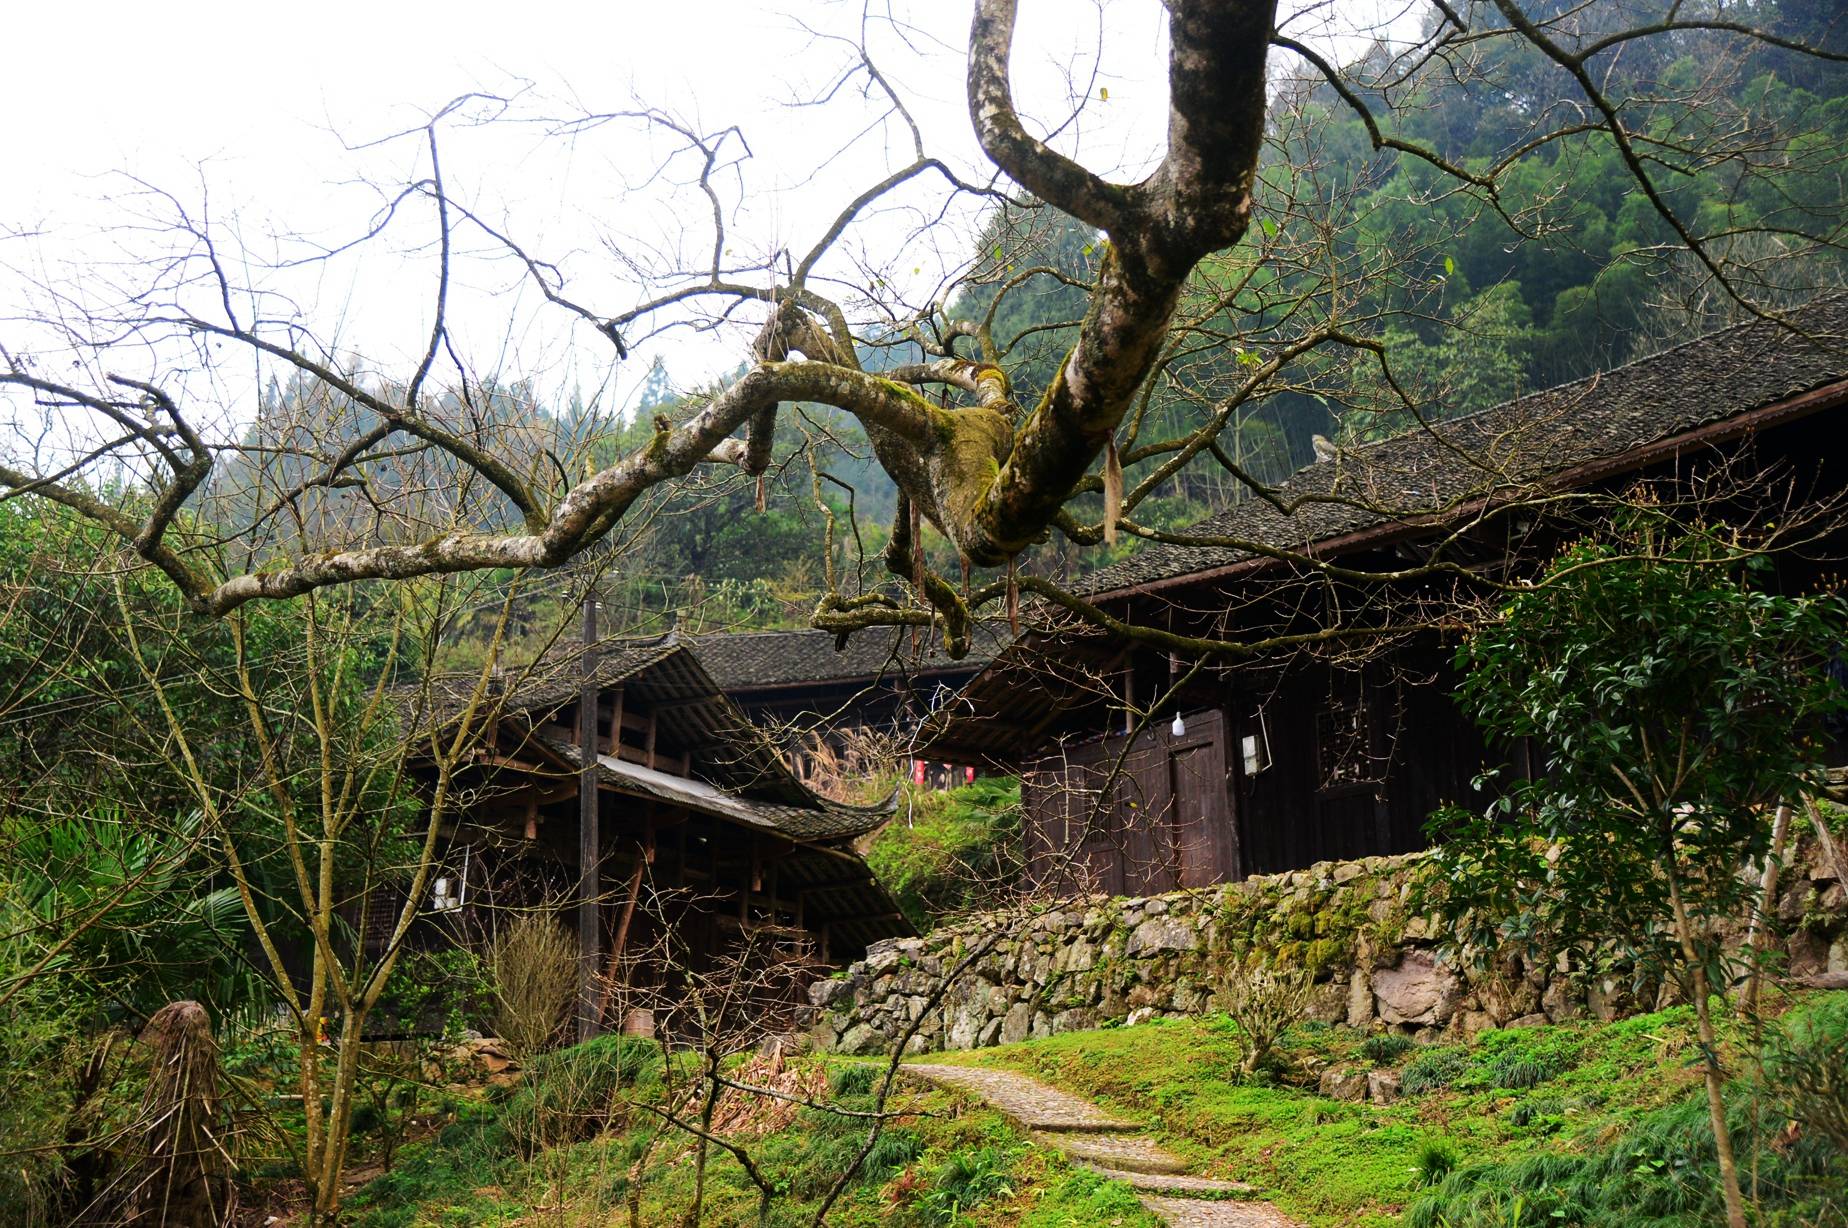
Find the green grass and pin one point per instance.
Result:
(947, 846)
(1579, 1104)
(1574, 1126)
(950, 1163)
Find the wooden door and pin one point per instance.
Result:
(1205, 838)
(1136, 818)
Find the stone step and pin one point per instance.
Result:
(1200, 1213)
(1134, 1155)
(1031, 1104)
(1178, 1184)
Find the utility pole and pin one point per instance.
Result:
(590, 856)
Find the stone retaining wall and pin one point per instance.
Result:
(1102, 959)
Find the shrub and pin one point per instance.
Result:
(532, 970)
(951, 850)
(895, 1147)
(1385, 1048)
(966, 1179)
(856, 1079)
(1806, 1069)
(575, 1093)
(1519, 1073)
(1433, 1070)
(1435, 1162)
(1543, 1110)
(1264, 1002)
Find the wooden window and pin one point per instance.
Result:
(1343, 739)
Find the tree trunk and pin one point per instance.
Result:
(1710, 1057)
(1827, 840)
(1767, 900)
(183, 1173)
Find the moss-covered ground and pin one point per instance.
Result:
(1579, 1123)
(946, 1162)
(949, 848)
(1586, 1124)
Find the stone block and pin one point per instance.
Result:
(1382, 1086)
(1328, 1003)
(1359, 999)
(1343, 1084)
(1473, 1023)
(1809, 954)
(1416, 990)
(861, 1038)
(1562, 1001)
(1160, 934)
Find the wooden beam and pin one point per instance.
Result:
(589, 853)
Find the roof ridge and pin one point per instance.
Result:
(1428, 423)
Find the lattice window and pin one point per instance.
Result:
(1343, 741)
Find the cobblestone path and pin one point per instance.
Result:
(1113, 1146)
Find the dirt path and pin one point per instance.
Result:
(1113, 1146)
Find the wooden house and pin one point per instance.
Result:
(639, 797)
(1146, 769)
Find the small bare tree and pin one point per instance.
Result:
(532, 962)
(1265, 1002)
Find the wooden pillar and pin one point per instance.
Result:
(590, 929)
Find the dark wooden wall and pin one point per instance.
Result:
(1351, 763)
(1359, 758)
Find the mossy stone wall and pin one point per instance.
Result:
(1088, 963)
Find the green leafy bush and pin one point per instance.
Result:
(1518, 1072)
(1385, 1048)
(1435, 1162)
(1806, 1070)
(855, 1079)
(1432, 1070)
(1660, 1173)
(966, 1179)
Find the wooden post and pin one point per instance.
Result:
(590, 930)
(649, 741)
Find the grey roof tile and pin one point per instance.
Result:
(1430, 468)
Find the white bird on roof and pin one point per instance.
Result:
(1325, 449)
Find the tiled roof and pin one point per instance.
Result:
(1429, 469)
(748, 660)
(736, 760)
(823, 820)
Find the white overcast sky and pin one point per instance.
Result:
(249, 103)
